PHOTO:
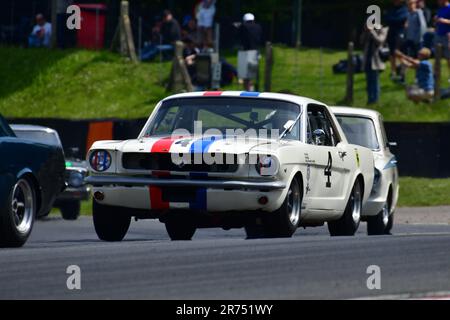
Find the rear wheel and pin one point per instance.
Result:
(70, 210)
(180, 226)
(283, 222)
(111, 223)
(378, 225)
(390, 224)
(348, 224)
(17, 214)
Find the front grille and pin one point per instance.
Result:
(163, 162)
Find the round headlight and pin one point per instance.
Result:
(267, 165)
(100, 160)
(75, 179)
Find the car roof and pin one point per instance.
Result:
(244, 94)
(31, 127)
(356, 112)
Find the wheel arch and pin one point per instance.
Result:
(360, 177)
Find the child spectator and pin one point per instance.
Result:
(423, 90)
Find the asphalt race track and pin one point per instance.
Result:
(222, 265)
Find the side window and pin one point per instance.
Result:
(322, 131)
(167, 123)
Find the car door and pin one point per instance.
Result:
(328, 160)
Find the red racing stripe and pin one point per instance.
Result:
(156, 201)
(213, 93)
(163, 145)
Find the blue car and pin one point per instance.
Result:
(31, 177)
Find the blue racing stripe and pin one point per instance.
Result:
(202, 145)
(200, 202)
(250, 94)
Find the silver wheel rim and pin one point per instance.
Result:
(293, 203)
(22, 206)
(355, 199)
(385, 213)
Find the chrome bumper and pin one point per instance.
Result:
(99, 181)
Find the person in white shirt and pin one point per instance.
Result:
(41, 34)
(205, 20)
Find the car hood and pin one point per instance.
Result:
(206, 144)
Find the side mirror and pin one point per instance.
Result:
(392, 144)
(319, 137)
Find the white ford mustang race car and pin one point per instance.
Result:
(365, 127)
(267, 162)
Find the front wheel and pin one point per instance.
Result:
(180, 226)
(348, 224)
(17, 214)
(283, 222)
(70, 210)
(110, 223)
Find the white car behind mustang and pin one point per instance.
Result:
(267, 162)
(365, 127)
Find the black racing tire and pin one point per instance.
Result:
(254, 231)
(390, 224)
(379, 224)
(180, 226)
(283, 222)
(18, 213)
(348, 224)
(111, 223)
(70, 210)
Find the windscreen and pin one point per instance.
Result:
(225, 115)
(43, 137)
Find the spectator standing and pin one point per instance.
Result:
(395, 20)
(416, 27)
(423, 90)
(421, 4)
(41, 34)
(170, 29)
(250, 34)
(372, 41)
(205, 19)
(442, 21)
